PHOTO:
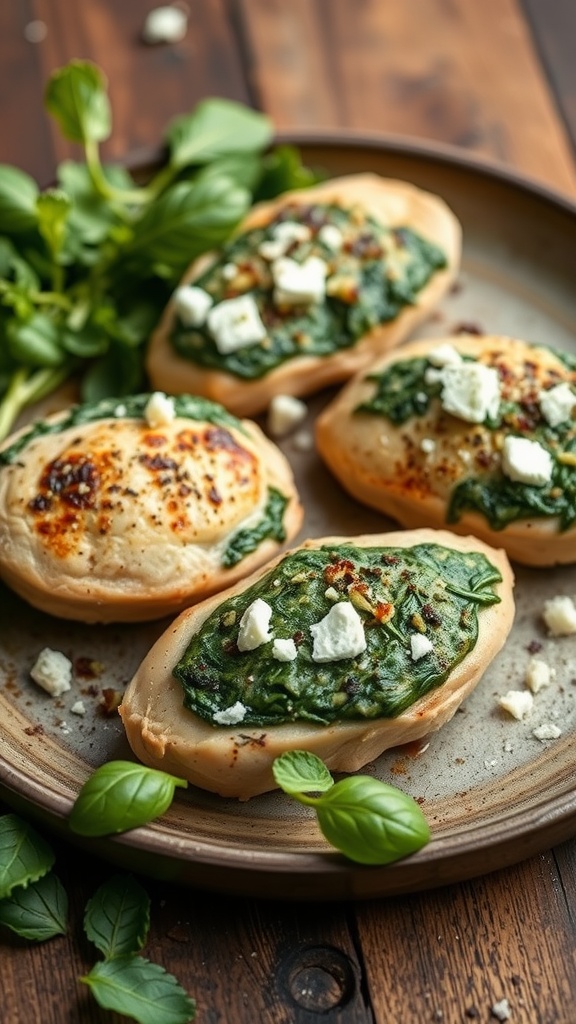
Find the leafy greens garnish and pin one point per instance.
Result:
(86, 267)
(121, 795)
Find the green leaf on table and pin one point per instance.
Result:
(121, 795)
(299, 771)
(24, 855)
(53, 208)
(186, 220)
(216, 128)
(367, 820)
(39, 912)
(18, 194)
(117, 918)
(76, 95)
(141, 990)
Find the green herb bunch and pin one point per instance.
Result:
(87, 266)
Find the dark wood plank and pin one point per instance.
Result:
(462, 949)
(552, 23)
(461, 73)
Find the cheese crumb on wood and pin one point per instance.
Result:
(559, 614)
(517, 703)
(79, 708)
(52, 671)
(501, 1010)
(165, 24)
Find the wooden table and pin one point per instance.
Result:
(496, 79)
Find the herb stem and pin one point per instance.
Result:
(26, 388)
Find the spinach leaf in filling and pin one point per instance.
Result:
(397, 592)
(375, 275)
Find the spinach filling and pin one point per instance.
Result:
(128, 407)
(376, 273)
(398, 592)
(402, 392)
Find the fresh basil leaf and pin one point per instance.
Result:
(371, 822)
(188, 219)
(86, 343)
(299, 771)
(91, 216)
(14, 266)
(76, 96)
(216, 128)
(121, 795)
(283, 171)
(36, 342)
(24, 855)
(18, 194)
(243, 168)
(141, 990)
(117, 918)
(53, 208)
(38, 912)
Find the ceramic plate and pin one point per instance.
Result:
(492, 792)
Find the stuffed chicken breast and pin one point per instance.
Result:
(131, 509)
(343, 647)
(311, 288)
(477, 434)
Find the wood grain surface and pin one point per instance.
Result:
(494, 78)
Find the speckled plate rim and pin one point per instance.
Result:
(160, 851)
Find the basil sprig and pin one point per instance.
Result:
(121, 795)
(87, 267)
(369, 821)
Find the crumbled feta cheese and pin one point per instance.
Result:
(79, 708)
(420, 646)
(120, 411)
(508, 748)
(64, 728)
(299, 283)
(236, 323)
(254, 626)
(229, 271)
(501, 1010)
(165, 25)
(470, 391)
(559, 614)
(52, 670)
(192, 305)
(526, 462)
(427, 445)
(547, 731)
(232, 715)
(538, 674)
(444, 355)
(159, 410)
(332, 594)
(432, 375)
(331, 237)
(517, 703)
(284, 650)
(339, 635)
(285, 413)
(283, 236)
(556, 405)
